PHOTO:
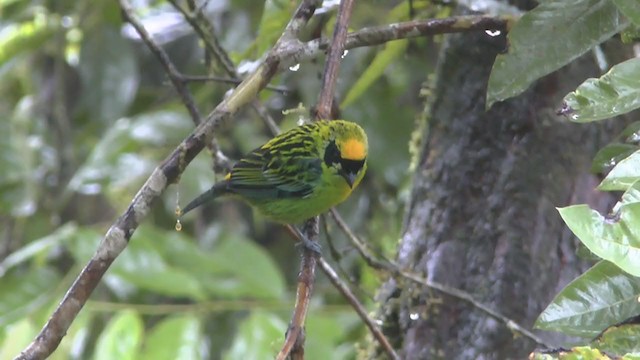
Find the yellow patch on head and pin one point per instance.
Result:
(353, 149)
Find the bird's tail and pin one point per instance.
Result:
(215, 191)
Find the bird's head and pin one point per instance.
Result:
(346, 151)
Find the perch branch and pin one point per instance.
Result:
(350, 297)
(294, 341)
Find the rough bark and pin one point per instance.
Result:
(482, 215)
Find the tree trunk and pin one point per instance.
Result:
(482, 214)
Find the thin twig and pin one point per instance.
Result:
(212, 45)
(378, 35)
(418, 28)
(173, 74)
(294, 339)
(177, 79)
(355, 304)
(323, 111)
(350, 297)
(334, 55)
(396, 271)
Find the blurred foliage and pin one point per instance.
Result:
(89, 113)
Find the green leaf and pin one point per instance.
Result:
(217, 271)
(630, 9)
(18, 336)
(143, 265)
(22, 294)
(177, 337)
(623, 175)
(616, 239)
(548, 37)
(36, 247)
(121, 337)
(615, 93)
(602, 296)
(327, 335)
(259, 337)
(275, 16)
(257, 276)
(123, 158)
(20, 163)
(109, 73)
(16, 39)
(375, 70)
(631, 196)
(610, 155)
(619, 340)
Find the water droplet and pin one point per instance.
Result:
(574, 116)
(66, 21)
(414, 316)
(634, 138)
(178, 211)
(344, 54)
(295, 67)
(493, 33)
(178, 225)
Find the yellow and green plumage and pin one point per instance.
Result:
(298, 174)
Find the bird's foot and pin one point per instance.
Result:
(305, 243)
(309, 245)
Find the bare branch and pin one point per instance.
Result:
(306, 278)
(418, 28)
(332, 66)
(351, 298)
(294, 339)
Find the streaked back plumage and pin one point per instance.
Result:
(299, 173)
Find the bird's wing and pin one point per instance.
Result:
(265, 173)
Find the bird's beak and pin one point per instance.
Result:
(349, 177)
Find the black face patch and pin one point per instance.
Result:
(332, 154)
(332, 157)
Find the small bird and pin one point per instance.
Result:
(298, 174)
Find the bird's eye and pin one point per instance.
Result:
(332, 154)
